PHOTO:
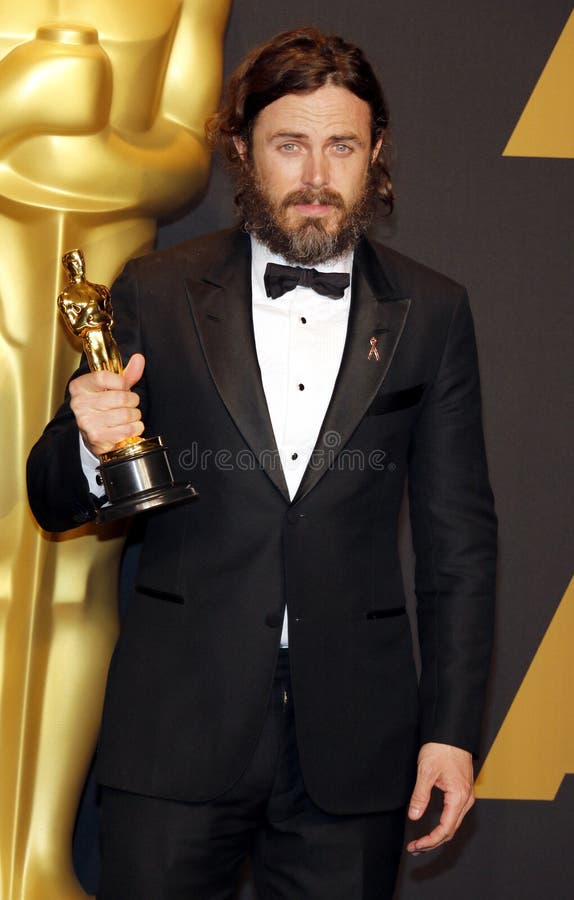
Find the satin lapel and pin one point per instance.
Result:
(376, 312)
(221, 307)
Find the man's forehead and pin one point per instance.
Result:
(330, 106)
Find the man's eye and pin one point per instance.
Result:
(290, 147)
(342, 148)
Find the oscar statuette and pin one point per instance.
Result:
(136, 473)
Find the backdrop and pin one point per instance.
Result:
(482, 104)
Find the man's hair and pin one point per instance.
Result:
(299, 62)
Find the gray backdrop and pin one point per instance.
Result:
(458, 75)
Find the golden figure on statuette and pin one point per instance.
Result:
(102, 111)
(136, 473)
(87, 311)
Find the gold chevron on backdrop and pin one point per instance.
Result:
(546, 126)
(534, 748)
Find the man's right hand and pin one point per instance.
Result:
(105, 407)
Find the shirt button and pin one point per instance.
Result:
(294, 455)
(303, 320)
(301, 387)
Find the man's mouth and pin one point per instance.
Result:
(313, 209)
(314, 205)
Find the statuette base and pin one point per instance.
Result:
(138, 477)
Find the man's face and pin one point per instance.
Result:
(306, 191)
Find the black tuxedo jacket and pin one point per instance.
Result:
(190, 678)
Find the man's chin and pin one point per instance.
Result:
(305, 240)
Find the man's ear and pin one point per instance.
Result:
(241, 148)
(376, 149)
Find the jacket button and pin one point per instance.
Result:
(293, 516)
(274, 620)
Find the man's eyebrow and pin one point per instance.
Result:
(346, 138)
(288, 135)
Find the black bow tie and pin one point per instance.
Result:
(280, 279)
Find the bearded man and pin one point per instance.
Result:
(263, 699)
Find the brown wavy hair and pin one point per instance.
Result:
(299, 62)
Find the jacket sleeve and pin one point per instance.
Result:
(454, 534)
(57, 488)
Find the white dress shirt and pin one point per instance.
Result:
(299, 339)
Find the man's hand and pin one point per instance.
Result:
(105, 407)
(449, 769)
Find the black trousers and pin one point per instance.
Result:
(155, 849)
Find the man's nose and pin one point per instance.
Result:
(316, 170)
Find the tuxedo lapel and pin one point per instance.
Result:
(376, 321)
(220, 303)
(221, 307)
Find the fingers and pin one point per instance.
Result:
(421, 793)
(95, 382)
(103, 428)
(453, 812)
(134, 370)
(449, 769)
(467, 806)
(105, 408)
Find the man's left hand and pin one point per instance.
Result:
(450, 770)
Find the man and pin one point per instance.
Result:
(302, 401)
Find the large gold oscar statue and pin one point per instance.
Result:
(102, 104)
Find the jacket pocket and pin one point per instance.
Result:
(159, 594)
(389, 613)
(396, 400)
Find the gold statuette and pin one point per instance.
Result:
(136, 474)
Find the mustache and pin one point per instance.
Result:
(324, 197)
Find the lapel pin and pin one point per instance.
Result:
(373, 352)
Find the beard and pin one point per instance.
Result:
(309, 242)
